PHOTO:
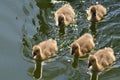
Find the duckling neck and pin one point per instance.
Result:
(79, 53)
(97, 67)
(42, 57)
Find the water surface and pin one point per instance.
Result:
(28, 22)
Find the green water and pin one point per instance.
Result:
(24, 23)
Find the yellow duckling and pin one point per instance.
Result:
(45, 49)
(82, 45)
(102, 59)
(64, 15)
(96, 12)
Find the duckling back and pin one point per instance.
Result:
(86, 42)
(105, 56)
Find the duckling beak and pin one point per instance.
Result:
(89, 65)
(56, 23)
(34, 55)
(72, 52)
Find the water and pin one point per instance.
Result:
(27, 22)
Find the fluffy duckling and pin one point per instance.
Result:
(96, 12)
(45, 49)
(102, 59)
(82, 45)
(64, 15)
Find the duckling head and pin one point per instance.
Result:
(92, 60)
(61, 20)
(36, 52)
(93, 13)
(75, 49)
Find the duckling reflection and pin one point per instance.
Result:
(96, 12)
(64, 15)
(101, 60)
(92, 28)
(81, 46)
(37, 74)
(41, 52)
(61, 31)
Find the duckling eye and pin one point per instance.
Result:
(92, 61)
(76, 47)
(35, 52)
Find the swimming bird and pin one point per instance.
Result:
(101, 60)
(82, 45)
(96, 12)
(64, 15)
(45, 49)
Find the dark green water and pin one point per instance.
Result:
(27, 22)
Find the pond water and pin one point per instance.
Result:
(27, 22)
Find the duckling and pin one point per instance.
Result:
(45, 49)
(96, 12)
(64, 15)
(101, 60)
(82, 45)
